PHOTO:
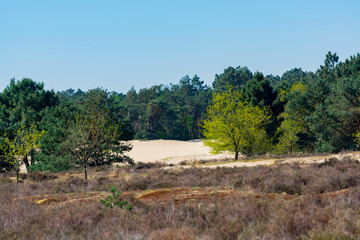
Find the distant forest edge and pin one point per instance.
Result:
(306, 112)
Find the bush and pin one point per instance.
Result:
(41, 176)
(52, 163)
(111, 201)
(142, 165)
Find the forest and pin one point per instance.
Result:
(297, 112)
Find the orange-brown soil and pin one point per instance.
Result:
(166, 196)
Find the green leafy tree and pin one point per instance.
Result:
(95, 138)
(24, 143)
(234, 125)
(7, 160)
(289, 131)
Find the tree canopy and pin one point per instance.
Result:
(234, 125)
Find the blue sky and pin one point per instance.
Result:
(120, 44)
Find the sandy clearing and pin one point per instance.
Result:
(172, 151)
(169, 151)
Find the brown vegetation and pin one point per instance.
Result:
(284, 201)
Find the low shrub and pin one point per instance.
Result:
(142, 165)
(41, 176)
(51, 163)
(112, 201)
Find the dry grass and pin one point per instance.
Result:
(322, 202)
(255, 158)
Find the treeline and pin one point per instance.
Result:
(307, 112)
(300, 111)
(168, 112)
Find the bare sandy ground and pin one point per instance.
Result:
(172, 151)
(169, 151)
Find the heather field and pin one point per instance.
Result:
(278, 201)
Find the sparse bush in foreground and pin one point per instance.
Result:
(112, 201)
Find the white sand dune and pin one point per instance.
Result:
(172, 151)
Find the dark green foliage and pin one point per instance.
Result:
(337, 119)
(328, 106)
(292, 76)
(53, 163)
(22, 103)
(274, 80)
(111, 200)
(172, 112)
(236, 77)
(70, 95)
(119, 115)
(295, 75)
(350, 67)
(328, 70)
(5, 164)
(56, 123)
(96, 137)
(259, 92)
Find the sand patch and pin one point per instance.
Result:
(172, 151)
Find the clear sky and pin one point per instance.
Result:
(118, 44)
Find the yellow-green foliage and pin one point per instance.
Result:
(234, 125)
(297, 87)
(287, 142)
(25, 140)
(357, 138)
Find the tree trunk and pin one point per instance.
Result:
(17, 171)
(85, 170)
(236, 155)
(25, 160)
(32, 160)
(198, 123)
(199, 131)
